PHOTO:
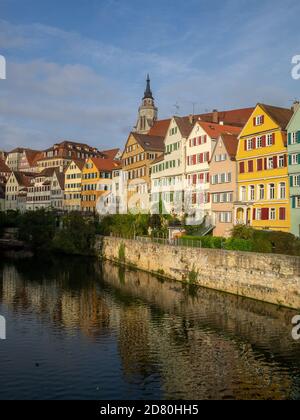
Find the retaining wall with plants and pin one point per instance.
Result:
(265, 277)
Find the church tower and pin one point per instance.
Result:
(147, 111)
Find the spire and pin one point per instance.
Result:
(148, 93)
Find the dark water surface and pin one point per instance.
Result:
(79, 330)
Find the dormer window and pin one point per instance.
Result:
(259, 120)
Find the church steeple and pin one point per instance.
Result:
(148, 92)
(147, 111)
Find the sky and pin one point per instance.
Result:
(76, 69)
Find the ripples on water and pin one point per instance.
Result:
(79, 330)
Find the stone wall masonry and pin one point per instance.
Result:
(265, 277)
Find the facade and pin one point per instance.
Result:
(2, 193)
(61, 154)
(168, 172)
(140, 151)
(73, 185)
(294, 169)
(223, 184)
(39, 192)
(28, 161)
(5, 171)
(16, 190)
(263, 182)
(57, 190)
(199, 149)
(96, 183)
(17, 159)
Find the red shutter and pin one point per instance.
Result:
(208, 197)
(264, 141)
(285, 161)
(242, 167)
(264, 214)
(254, 122)
(266, 164)
(273, 139)
(207, 177)
(254, 143)
(259, 164)
(282, 213)
(254, 214)
(250, 166)
(194, 179)
(205, 139)
(246, 145)
(263, 119)
(207, 156)
(275, 164)
(201, 158)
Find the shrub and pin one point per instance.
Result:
(234, 244)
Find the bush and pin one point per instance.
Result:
(234, 244)
(76, 237)
(37, 228)
(206, 241)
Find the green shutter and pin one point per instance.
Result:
(291, 181)
(290, 160)
(298, 137)
(290, 139)
(293, 202)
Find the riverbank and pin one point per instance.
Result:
(265, 277)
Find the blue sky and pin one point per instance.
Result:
(76, 69)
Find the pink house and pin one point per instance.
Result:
(223, 183)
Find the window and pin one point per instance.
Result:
(259, 143)
(225, 217)
(293, 138)
(282, 191)
(297, 202)
(272, 191)
(251, 193)
(250, 144)
(258, 214)
(282, 213)
(270, 163)
(281, 162)
(259, 120)
(272, 214)
(243, 193)
(294, 159)
(261, 194)
(270, 140)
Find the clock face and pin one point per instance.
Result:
(197, 129)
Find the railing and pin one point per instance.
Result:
(190, 243)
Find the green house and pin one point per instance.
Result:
(293, 129)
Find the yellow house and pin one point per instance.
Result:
(263, 184)
(73, 177)
(96, 182)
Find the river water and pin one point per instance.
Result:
(77, 329)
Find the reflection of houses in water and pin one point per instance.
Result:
(81, 309)
(199, 341)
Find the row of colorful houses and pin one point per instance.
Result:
(221, 169)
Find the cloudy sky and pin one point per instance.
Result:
(76, 69)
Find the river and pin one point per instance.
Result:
(79, 329)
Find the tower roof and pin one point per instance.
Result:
(148, 92)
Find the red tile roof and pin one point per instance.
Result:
(110, 154)
(215, 130)
(105, 164)
(281, 116)
(231, 142)
(150, 143)
(3, 167)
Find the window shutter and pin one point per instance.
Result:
(254, 121)
(250, 166)
(263, 119)
(266, 164)
(282, 213)
(289, 138)
(254, 214)
(207, 156)
(293, 202)
(275, 162)
(254, 143)
(290, 160)
(259, 164)
(264, 141)
(273, 139)
(246, 145)
(298, 137)
(242, 167)
(291, 181)
(265, 214)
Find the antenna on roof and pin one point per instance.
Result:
(177, 108)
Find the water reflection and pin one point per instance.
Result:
(126, 334)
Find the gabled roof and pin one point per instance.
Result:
(185, 125)
(110, 154)
(60, 178)
(80, 163)
(150, 143)
(160, 128)
(215, 130)
(24, 179)
(158, 160)
(31, 156)
(280, 116)
(4, 167)
(231, 143)
(47, 173)
(105, 164)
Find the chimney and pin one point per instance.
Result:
(215, 116)
(192, 119)
(296, 106)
